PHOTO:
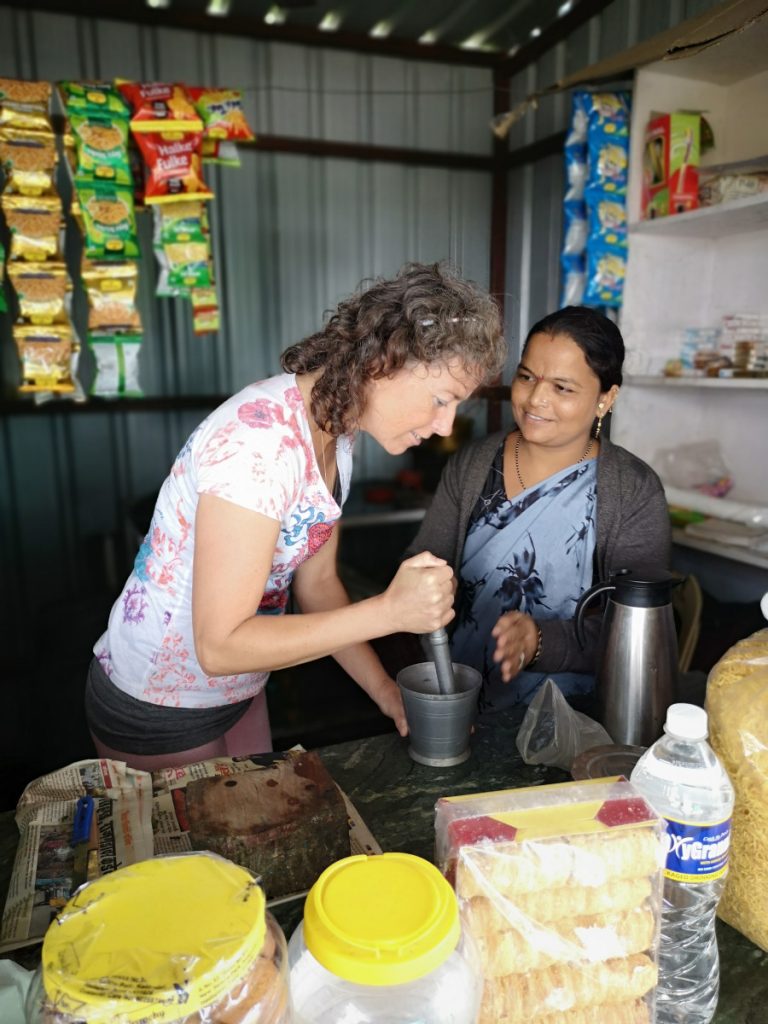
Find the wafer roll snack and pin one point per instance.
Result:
(560, 886)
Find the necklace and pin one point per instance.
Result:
(517, 457)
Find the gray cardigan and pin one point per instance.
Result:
(632, 529)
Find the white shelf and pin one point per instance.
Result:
(729, 384)
(737, 217)
(732, 551)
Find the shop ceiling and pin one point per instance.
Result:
(492, 33)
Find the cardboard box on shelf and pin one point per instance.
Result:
(670, 164)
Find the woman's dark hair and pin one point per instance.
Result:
(425, 314)
(598, 338)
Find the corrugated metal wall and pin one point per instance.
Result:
(292, 234)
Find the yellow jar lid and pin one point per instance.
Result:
(156, 940)
(381, 920)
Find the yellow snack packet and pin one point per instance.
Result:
(29, 161)
(35, 227)
(42, 290)
(46, 357)
(25, 104)
(111, 290)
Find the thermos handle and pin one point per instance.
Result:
(584, 600)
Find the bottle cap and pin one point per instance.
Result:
(381, 920)
(686, 721)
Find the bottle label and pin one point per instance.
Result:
(696, 852)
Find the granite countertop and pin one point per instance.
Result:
(396, 799)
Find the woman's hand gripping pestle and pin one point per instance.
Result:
(441, 651)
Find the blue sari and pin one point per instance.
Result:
(531, 553)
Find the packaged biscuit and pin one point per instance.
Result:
(25, 104)
(560, 886)
(34, 226)
(117, 365)
(151, 102)
(29, 161)
(173, 166)
(101, 144)
(43, 291)
(93, 98)
(222, 114)
(111, 289)
(47, 356)
(109, 221)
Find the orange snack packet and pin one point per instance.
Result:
(174, 166)
(151, 102)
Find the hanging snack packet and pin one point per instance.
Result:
(109, 221)
(35, 227)
(574, 273)
(174, 166)
(3, 303)
(151, 102)
(606, 269)
(111, 290)
(28, 160)
(101, 144)
(609, 216)
(205, 310)
(46, 355)
(609, 109)
(222, 153)
(43, 290)
(222, 114)
(93, 98)
(180, 222)
(117, 365)
(25, 104)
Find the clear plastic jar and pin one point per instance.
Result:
(175, 940)
(381, 941)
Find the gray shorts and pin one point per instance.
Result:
(138, 727)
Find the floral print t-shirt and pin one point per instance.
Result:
(256, 451)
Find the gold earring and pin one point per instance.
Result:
(599, 426)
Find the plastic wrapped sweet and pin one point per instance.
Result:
(737, 704)
(174, 940)
(560, 887)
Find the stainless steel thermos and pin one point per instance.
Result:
(636, 674)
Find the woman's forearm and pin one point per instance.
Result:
(264, 643)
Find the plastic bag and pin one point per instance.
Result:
(552, 733)
(697, 466)
(737, 705)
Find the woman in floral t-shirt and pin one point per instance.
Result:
(248, 513)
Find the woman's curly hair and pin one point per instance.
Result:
(425, 314)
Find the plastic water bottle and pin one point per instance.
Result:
(685, 783)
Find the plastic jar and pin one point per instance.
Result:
(175, 940)
(381, 941)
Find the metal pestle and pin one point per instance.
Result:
(441, 652)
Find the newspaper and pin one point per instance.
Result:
(137, 815)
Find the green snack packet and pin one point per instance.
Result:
(117, 365)
(93, 98)
(102, 149)
(109, 221)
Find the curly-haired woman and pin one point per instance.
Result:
(249, 510)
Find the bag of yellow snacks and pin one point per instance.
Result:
(737, 704)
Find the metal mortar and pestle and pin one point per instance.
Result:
(440, 700)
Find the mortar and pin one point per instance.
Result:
(439, 723)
